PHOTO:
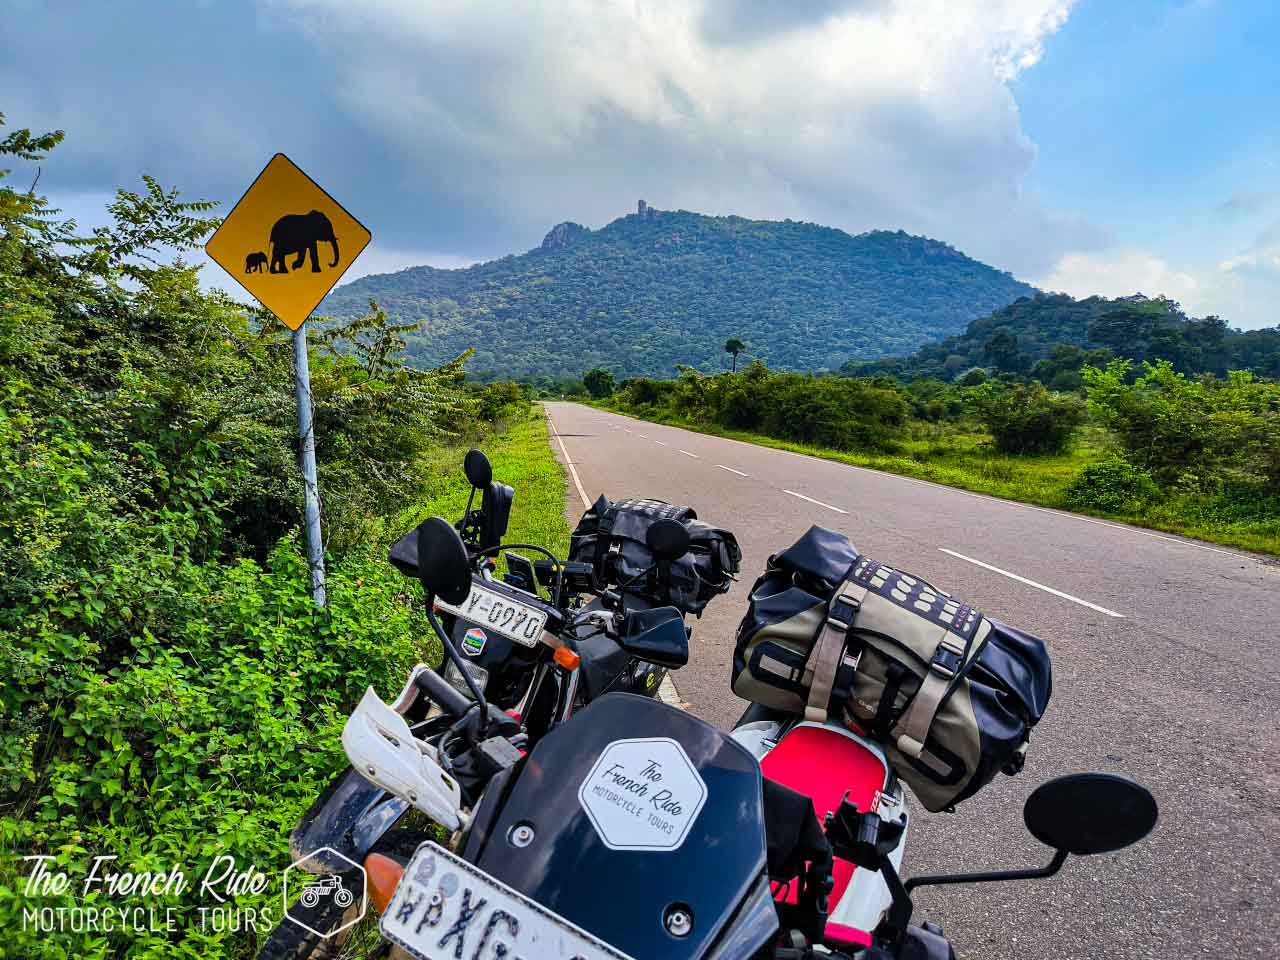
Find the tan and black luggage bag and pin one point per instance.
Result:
(951, 694)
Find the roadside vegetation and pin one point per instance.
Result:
(1141, 443)
(169, 694)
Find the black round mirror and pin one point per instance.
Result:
(442, 561)
(478, 469)
(667, 539)
(1086, 813)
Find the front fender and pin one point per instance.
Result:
(349, 816)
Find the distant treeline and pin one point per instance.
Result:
(1204, 450)
(1049, 337)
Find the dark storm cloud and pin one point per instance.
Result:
(200, 96)
(470, 129)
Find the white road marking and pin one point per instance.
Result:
(1064, 514)
(573, 472)
(801, 496)
(662, 442)
(643, 436)
(668, 693)
(625, 429)
(731, 470)
(1032, 583)
(688, 454)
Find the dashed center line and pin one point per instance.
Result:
(643, 436)
(573, 471)
(688, 454)
(731, 470)
(1032, 583)
(662, 442)
(801, 496)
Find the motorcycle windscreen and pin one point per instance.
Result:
(641, 824)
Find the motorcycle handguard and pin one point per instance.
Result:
(384, 751)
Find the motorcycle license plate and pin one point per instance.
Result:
(501, 614)
(445, 907)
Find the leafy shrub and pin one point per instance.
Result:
(973, 377)
(1027, 418)
(503, 399)
(599, 383)
(1113, 485)
(167, 690)
(1188, 432)
(643, 392)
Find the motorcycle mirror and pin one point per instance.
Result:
(495, 505)
(656, 636)
(667, 539)
(478, 469)
(442, 561)
(1088, 813)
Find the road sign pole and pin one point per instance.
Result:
(264, 244)
(307, 455)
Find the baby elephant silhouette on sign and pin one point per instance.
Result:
(254, 262)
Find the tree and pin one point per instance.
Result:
(734, 346)
(1002, 351)
(1027, 418)
(599, 383)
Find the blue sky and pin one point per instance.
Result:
(1086, 146)
(1158, 121)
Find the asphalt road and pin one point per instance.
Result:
(1165, 669)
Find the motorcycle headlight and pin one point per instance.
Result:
(454, 677)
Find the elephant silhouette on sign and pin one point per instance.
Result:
(254, 262)
(299, 233)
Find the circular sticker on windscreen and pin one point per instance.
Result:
(643, 794)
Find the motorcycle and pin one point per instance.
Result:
(541, 660)
(634, 829)
(499, 626)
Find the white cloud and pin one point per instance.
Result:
(1229, 289)
(378, 258)
(1119, 273)
(860, 114)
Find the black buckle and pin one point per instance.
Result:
(843, 610)
(946, 661)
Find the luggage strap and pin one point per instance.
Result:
(912, 729)
(831, 653)
(604, 540)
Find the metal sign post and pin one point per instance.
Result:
(307, 458)
(288, 242)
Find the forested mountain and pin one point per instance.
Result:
(1049, 336)
(658, 288)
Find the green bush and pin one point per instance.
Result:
(599, 383)
(1027, 418)
(1113, 485)
(167, 690)
(503, 399)
(840, 412)
(1189, 433)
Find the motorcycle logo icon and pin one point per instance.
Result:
(325, 892)
(312, 892)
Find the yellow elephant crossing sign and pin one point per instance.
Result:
(287, 241)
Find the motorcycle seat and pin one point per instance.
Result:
(825, 763)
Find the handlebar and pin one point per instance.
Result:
(442, 692)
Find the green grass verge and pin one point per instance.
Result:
(967, 461)
(522, 458)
